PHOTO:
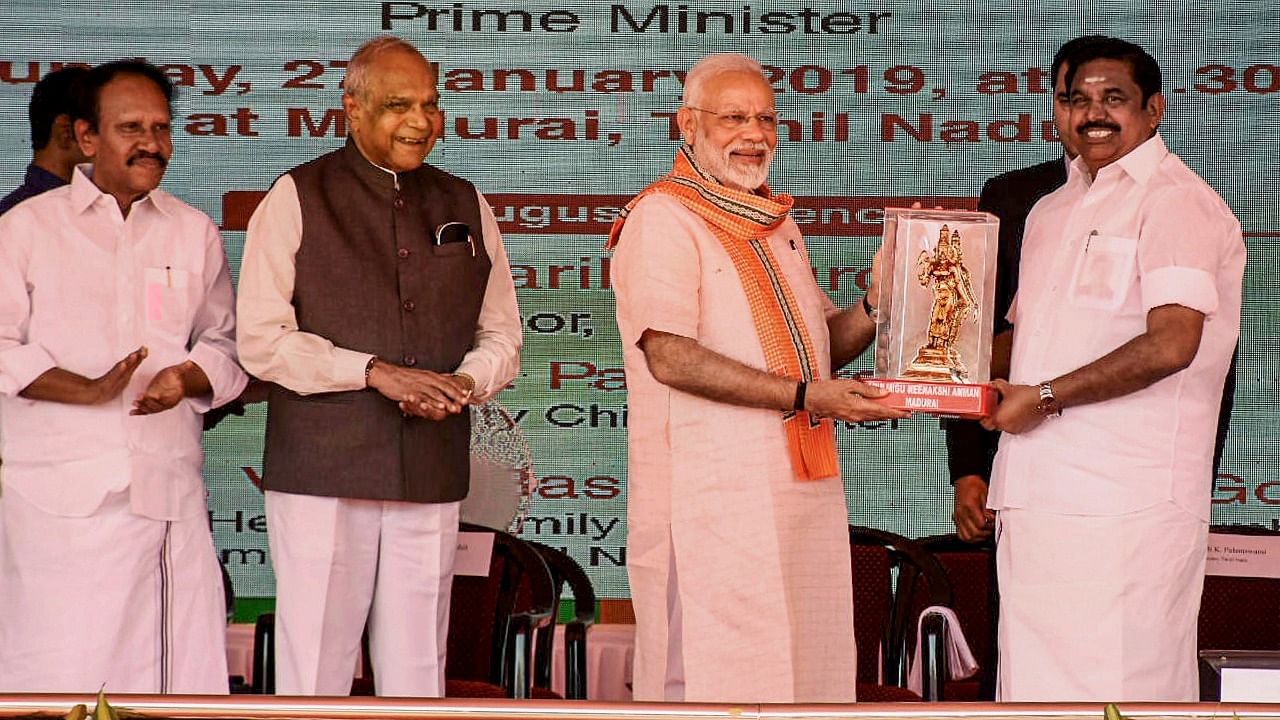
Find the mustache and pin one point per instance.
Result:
(747, 145)
(1098, 125)
(144, 155)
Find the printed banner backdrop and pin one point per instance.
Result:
(561, 112)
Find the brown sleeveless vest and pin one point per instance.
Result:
(371, 278)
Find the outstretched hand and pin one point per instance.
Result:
(109, 385)
(169, 387)
(64, 386)
(849, 400)
(1018, 409)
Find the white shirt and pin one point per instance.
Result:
(1097, 256)
(82, 286)
(273, 348)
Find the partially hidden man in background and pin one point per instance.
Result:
(376, 293)
(1126, 316)
(971, 449)
(738, 548)
(55, 151)
(116, 334)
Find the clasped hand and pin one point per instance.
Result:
(421, 393)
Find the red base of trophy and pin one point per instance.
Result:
(937, 398)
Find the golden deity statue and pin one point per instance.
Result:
(953, 304)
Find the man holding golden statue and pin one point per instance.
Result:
(1126, 316)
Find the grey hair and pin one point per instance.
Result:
(713, 65)
(356, 83)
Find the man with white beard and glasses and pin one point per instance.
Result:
(738, 553)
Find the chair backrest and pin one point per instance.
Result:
(971, 570)
(566, 572)
(872, 603)
(228, 592)
(882, 617)
(1240, 613)
(492, 619)
(264, 655)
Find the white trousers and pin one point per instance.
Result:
(112, 598)
(1099, 608)
(340, 562)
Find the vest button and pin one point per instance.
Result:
(410, 360)
(399, 203)
(408, 305)
(402, 253)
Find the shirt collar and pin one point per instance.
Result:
(1139, 163)
(85, 194)
(376, 176)
(42, 180)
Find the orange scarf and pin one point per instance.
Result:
(741, 221)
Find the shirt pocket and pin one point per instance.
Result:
(453, 251)
(168, 301)
(1103, 273)
(453, 239)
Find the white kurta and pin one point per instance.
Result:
(739, 573)
(1107, 506)
(87, 488)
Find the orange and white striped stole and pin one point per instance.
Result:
(741, 221)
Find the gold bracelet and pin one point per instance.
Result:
(471, 382)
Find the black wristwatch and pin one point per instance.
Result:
(873, 314)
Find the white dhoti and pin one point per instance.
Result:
(112, 600)
(1099, 608)
(340, 561)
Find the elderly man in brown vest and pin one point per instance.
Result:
(376, 294)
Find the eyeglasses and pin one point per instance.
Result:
(455, 232)
(734, 120)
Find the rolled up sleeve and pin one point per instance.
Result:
(21, 361)
(1185, 237)
(656, 271)
(213, 335)
(1189, 287)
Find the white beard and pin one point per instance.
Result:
(719, 164)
